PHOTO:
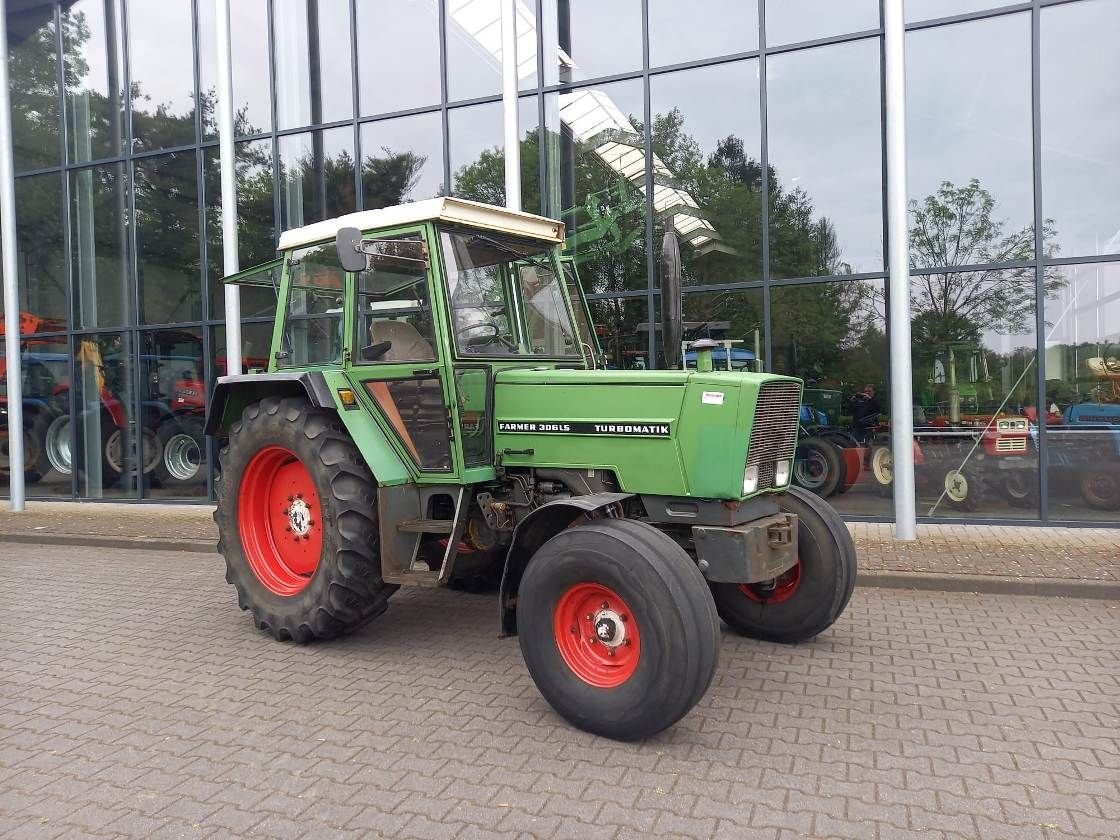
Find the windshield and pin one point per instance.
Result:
(490, 278)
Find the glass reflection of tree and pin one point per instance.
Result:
(608, 216)
(957, 226)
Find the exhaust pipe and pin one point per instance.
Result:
(672, 327)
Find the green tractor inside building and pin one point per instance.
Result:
(433, 404)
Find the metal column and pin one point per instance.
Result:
(229, 187)
(11, 283)
(509, 104)
(902, 402)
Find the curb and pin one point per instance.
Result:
(131, 543)
(1106, 590)
(918, 581)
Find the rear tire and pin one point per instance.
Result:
(639, 587)
(806, 600)
(281, 448)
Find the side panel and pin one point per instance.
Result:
(233, 393)
(630, 429)
(386, 465)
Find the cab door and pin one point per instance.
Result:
(395, 361)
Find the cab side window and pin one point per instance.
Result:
(313, 324)
(394, 320)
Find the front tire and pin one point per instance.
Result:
(806, 600)
(617, 628)
(297, 518)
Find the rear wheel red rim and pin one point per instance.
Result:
(776, 590)
(597, 634)
(280, 521)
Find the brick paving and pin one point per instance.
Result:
(137, 700)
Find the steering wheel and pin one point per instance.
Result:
(493, 334)
(479, 339)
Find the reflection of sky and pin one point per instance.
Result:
(249, 43)
(684, 31)
(92, 51)
(729, 105)
(930, 9)
(473, 130)
(398, 55)
(605, 37)
(969, 112)
(823, 111)
(160, 51)
(1087, 307)
(293, 83)
(792, 21)
(1080, 69)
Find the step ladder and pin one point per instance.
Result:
(402, 511)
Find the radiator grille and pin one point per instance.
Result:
(1011, 444)
(774, 433)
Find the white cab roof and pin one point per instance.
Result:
(453, 210)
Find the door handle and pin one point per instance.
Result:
(426, 372)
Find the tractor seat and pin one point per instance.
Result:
(405, 342)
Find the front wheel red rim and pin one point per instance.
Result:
(597, 634)
(280, 521)
(776, 590)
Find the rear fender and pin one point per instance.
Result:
(534, 531)
(233, 393)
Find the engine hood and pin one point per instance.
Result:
(667, 432)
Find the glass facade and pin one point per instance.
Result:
(757, 141)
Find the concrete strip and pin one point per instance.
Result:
(129, 543)
(989, 584)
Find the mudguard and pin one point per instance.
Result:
(233, 393)
(534, 531)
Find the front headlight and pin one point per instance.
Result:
(750, 479)
(781, 473)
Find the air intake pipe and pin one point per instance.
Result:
(672, 327)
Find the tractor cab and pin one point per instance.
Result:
(416, 308)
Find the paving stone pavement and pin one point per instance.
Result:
(137, 700)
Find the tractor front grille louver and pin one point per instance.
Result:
(1005, 444)
(774, 433)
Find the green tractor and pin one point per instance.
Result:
(431, 405)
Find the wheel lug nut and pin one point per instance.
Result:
(626, 642)
(606, 605)
(624, 617)
(287, 527)
(575, 629)
(291, 498)
(590, 617)
(610, 652)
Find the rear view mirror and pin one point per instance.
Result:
(348, 241)
(399, 256)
